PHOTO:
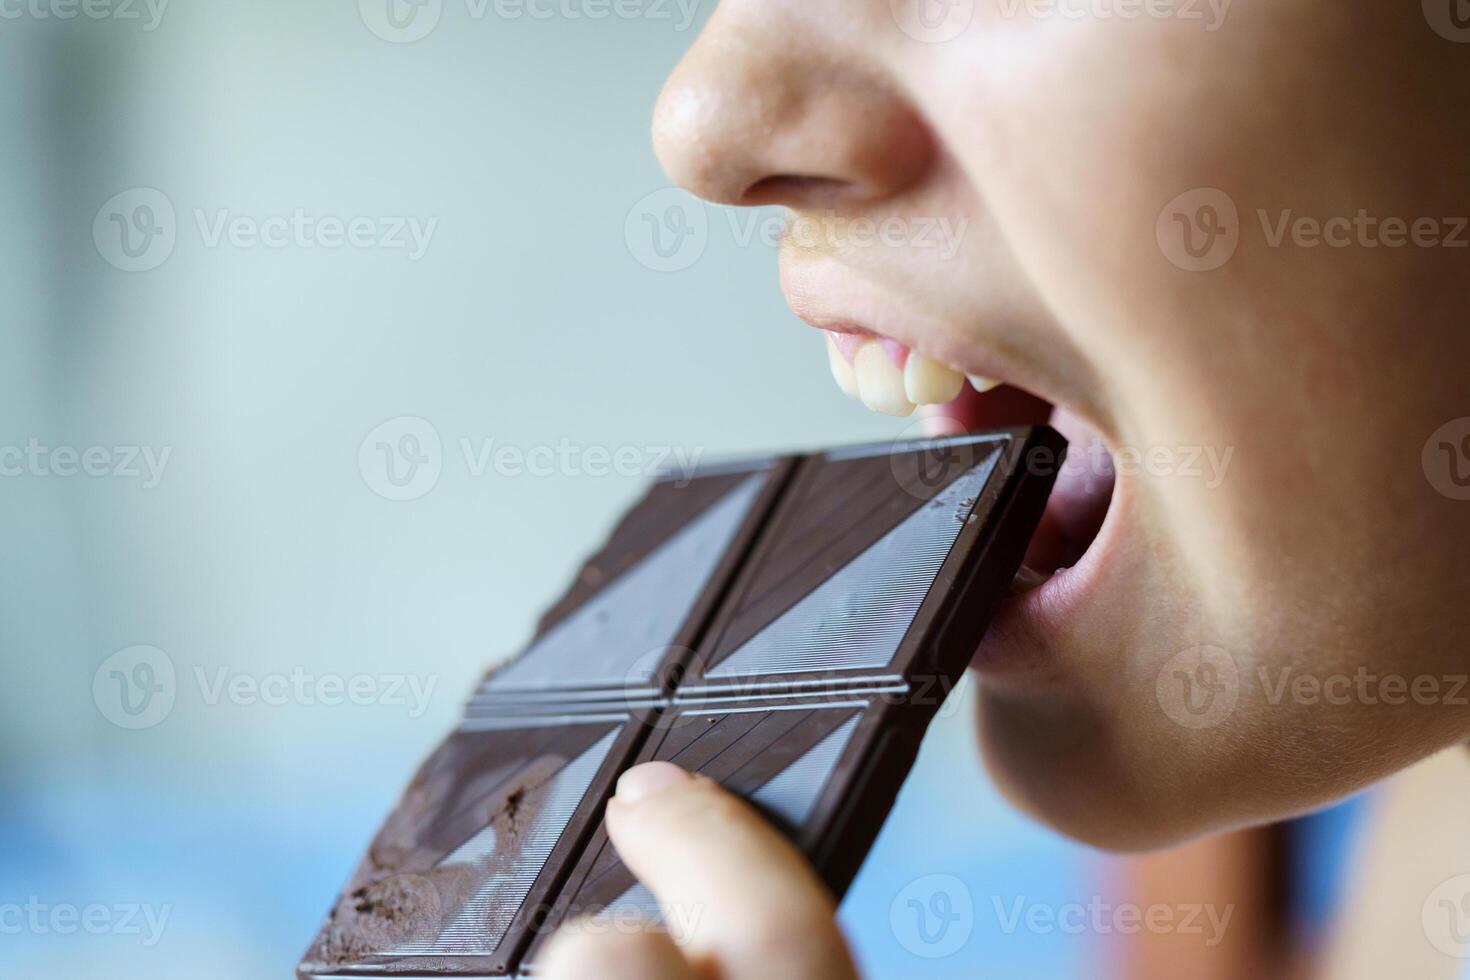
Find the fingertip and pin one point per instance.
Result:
(642, 781)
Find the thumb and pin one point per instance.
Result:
(741, 898)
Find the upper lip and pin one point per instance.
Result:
(838, 300)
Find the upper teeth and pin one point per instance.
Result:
(980, 383)
(929, 382)
(842, 371)
(879, 381)
(872, 377)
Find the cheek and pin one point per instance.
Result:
(1078, 135)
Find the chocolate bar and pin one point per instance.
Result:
(786, 626)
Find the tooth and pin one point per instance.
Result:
(842, 371)
(980, 383)
(1027, 578)
(880, 382)
(928, 382)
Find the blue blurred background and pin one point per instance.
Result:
(154, 311)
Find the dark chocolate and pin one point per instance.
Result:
(786, 627)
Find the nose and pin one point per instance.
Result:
(757, 114)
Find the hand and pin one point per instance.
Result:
(751, 907)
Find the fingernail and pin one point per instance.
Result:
(643, 781)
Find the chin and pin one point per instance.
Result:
(1071, 773)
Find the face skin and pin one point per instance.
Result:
(1286, 521)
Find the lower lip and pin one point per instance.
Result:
(1026, 626)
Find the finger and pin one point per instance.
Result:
(739, 897)
(600, 948)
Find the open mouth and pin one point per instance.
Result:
(888, 377)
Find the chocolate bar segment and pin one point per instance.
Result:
(791, 758)
(451, 881)
(857, 571)
(648, 590)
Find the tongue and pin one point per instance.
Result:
(1079, 502)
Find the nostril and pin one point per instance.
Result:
(796, 190)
